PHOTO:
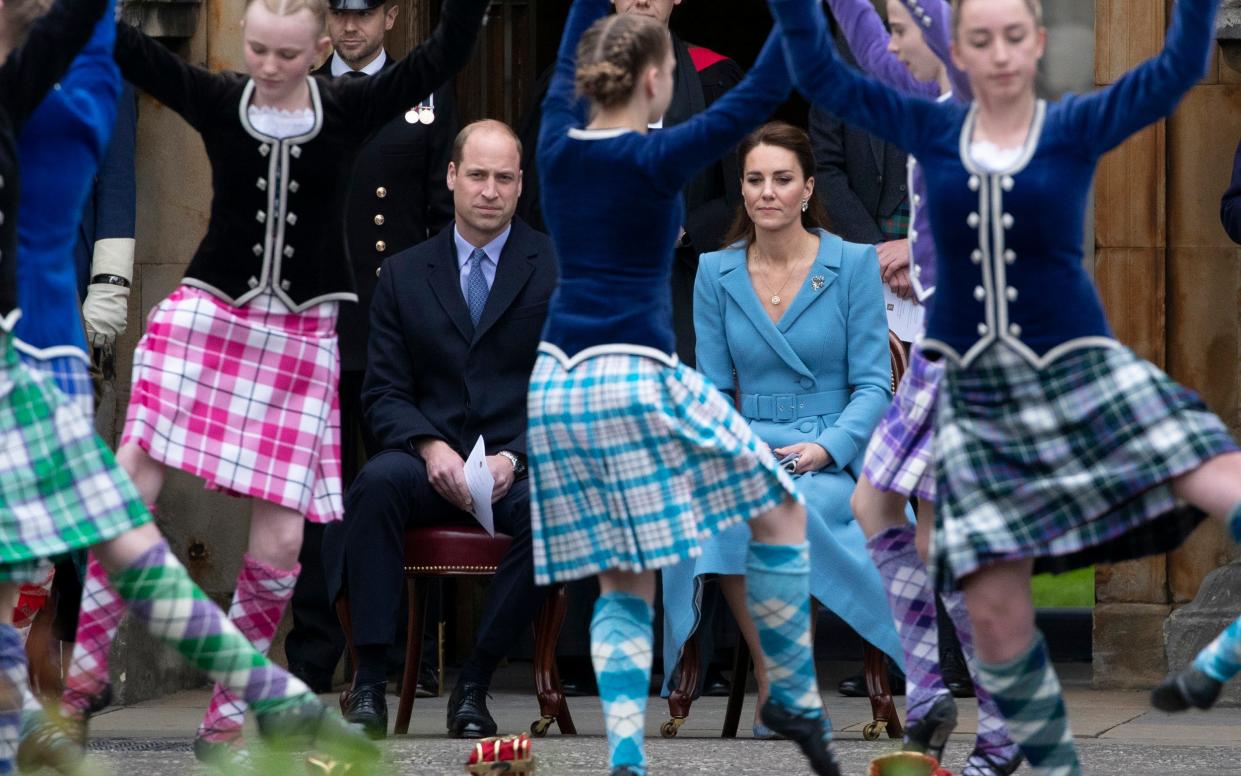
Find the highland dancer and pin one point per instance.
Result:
(60, 488)
(635, 458)
(915, 59)
(235, 380)
(1056, 447)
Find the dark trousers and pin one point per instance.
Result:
(315, 643)
(392, 493)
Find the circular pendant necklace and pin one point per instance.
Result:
(776, 298)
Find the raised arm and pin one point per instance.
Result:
(819, 73)
(32, 69)
(868, 40)
(934, 17)
(389, 93)
(1230, 205)
(686, 148)
(1105, 118)
(188, 90)
(90, 89)
(561, 107)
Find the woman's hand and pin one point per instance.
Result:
(813, 456)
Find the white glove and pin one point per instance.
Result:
(106, 308)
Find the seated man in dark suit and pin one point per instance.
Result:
(455, 324)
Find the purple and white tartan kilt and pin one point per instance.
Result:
(898, 458)
(1069, 465)
(243, 397)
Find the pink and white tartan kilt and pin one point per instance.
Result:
(244, 397)
(898, 458)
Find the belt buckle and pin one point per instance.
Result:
(784, 407)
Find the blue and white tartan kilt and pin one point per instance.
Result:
(70, 374)
(634, 463)
(1068, 465)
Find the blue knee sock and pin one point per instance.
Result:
(778, 593)
(1221, 659)
(1234, 523)
(1028, 694)
(13, 681)
(621, 649)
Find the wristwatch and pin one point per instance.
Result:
(519, 464)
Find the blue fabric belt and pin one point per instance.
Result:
(786, 407)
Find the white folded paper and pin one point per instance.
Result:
(482, 484)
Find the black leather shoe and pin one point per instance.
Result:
(807, 732)
(367, 706)
(715, 685)
(855, 686)
(318, 680)
(467, 712)
(1189, 688)
(930, 734)
(955, 673)
(428, 683)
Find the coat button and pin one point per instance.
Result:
(258, 249)
(288, 251)
(261, 184)
(1014, 330)
(972, 219)
(917, 199)
(982, 329)
(1011, 293)
(976, 256)
(805, 382)
(974, 183)
(913, 235)
(295, 151)
(260, 216)
(294, 186)
(807, 427)
(1009, 256)
(377, 269)
(980, 293)
(1007, 182)
(254, 282)
(285, 285)
(381, 246)
(292, 219)
(1007, 220)
(379, 219)
(381, 192)
(917, 271)
(264, 149)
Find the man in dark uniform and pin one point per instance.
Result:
(397, 199)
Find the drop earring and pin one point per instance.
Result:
(805, 205)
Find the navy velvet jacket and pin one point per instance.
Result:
(1009, 243)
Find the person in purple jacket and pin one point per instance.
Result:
(898, 460)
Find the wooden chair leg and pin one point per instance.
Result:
(881, 705)
(736, 695)
(682, 696)
(552, 703)
(413, 655)
(44, 672)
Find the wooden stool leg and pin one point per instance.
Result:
(413, 655)
(881, 705)
(682, 696)
(552, 703)
(736, 695)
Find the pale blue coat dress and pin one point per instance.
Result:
(822, 373)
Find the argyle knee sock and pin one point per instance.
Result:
(778, 597)
(620, 649)
(908, 586)
(1221, 659)
(14, 683)
(159, 592)
(1027, 693)
(100, 616)
(259, 602)
(993, 738)
(1234, 523)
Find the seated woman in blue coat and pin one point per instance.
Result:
(793, 317)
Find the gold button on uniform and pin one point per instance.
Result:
(379, 219)
(381, 192)
(381, 246)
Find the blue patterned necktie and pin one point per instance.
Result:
(476, 289)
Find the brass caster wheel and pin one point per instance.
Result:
(540, 726)
(670, 728)
(873, 730)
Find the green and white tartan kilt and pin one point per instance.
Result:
(634, 463)
(60, 487)
(1069, 465)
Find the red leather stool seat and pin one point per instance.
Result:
(453, 550)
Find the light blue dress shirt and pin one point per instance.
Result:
(493, 250)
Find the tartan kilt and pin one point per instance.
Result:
(243, 397)
(1069, 465)
(635, 463)
(898, 458)
(60, 487)
(70, 374)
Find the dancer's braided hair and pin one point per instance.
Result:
(613, 53)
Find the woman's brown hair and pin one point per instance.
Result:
(780, 135)
(614, 52)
